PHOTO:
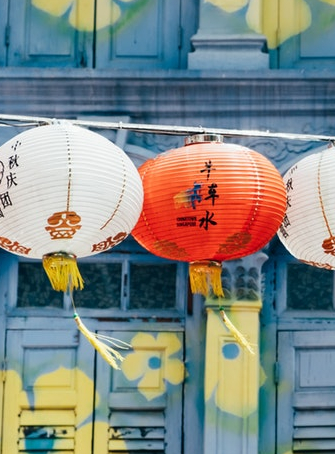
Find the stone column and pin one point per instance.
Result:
(232, 373)
(228, 36)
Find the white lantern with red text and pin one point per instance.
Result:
(65, 192)
(308, 228)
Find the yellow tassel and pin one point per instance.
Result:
(235, 332)
(62, 271)
(109, 354)
(205, 278)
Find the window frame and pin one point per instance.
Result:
(10, 266)
(282, 262)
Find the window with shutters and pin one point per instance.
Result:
(59, 394)
(306, 358)
(297, 404)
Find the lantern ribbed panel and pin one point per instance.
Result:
(308, 227)
(65, 188)
(209, 201)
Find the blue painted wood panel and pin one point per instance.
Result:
(3, 31)
(142, 34)
(148, 37)
(38, 38)
(48, 398)
(306, 402)
(143, 402)
(314, 47)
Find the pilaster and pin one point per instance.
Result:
(228, 37)
(232, 373)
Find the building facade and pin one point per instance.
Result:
(186, 386)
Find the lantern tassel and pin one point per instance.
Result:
(108, 353)
(235, 332)
(98, 341)
(62, 271)
(205, 278)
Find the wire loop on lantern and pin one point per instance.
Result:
(202, 138)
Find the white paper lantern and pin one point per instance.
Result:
(65, 192)
(308, 228)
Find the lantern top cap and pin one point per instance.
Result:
(201, 138)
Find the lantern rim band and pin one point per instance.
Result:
(206, 263)
(60, 254)
(202, 138)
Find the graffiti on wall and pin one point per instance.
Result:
(90, 15)
(56, 407)
(290, 17)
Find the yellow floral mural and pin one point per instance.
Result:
(42, 415)
(229, 5)
(81, 12)
(229, 365)
(154, 367)
(278, 24)
(277, 27)
(289, 25)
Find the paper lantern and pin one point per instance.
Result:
(208, 202)
(65, 192)
(308, 228)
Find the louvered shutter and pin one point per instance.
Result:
(47, 394)
(306, 400)
(144, 414)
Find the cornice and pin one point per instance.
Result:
(163, 94)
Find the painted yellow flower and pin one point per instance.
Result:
(230, 5)
(81, 12)
(152, 363)
(225, 381)
(45, 398)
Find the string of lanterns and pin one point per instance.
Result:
(68, 192)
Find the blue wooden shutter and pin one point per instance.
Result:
(48, 392)
(306, 400)
(38, 38)
(137, 417)
(314, 48)
(3, 31)
(146, 36)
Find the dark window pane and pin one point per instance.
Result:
(102, 285)
(34, 289)
(309, 288)
(152, 286)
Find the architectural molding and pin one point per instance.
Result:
(183, 96)
(228, 52)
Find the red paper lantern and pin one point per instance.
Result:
(208, 202)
